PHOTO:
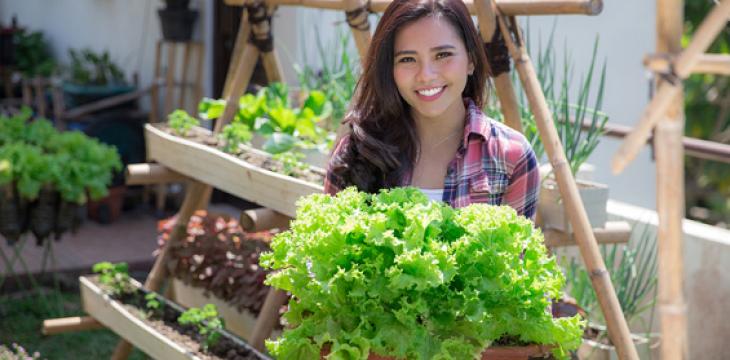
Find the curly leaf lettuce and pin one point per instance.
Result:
(397, 275)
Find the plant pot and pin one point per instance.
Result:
(553, 213)
(491, 353)
(7, 46)
(596, 349)
(130, 322)
(177, 4)
(43, 213)
(10, 222)
(107, 209)
(177, 24)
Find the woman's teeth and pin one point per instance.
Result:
(431, 92)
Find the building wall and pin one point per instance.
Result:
(130, 28)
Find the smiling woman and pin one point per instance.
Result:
(416, 115)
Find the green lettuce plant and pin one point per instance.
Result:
(234, 135)
(397, 275)
(115, 276)
(207, 321)
(181, 122)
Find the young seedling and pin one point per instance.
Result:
(233, 135)
(207, 321)
(153, 303)
(181, 122)
(115, 276)
(291, 162)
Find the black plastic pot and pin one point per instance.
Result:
(177, 4)
(177, 24)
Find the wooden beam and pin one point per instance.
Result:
(669, 92)
(70, 324)
(144, 174)
(618, 329)
(263, 219)
(706, 64)
(105, 103)
(615, 232)
(268, 317)
(507, 7)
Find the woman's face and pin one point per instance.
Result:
(431, 67)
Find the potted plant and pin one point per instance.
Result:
(633, 268)
(33, 54)
(177, 20)
(157, 326)
(92, 76)
(394, 275)
(570, 116)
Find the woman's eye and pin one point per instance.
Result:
(443, 54)
(406, 59)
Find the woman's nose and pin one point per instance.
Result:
(426, 72)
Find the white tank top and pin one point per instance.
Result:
(434, 194)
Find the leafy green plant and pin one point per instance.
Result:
(91, 68)
(338, 74)
(234, 135)
(207, 321)
(270, 114)
(32, 54)
(152, 302)
(115, 277)
(291, 162)
(397, 275)
(181, 122)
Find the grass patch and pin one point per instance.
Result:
(21, 318)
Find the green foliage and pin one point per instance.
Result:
(337, 77)
(633, 269)
(398, 275)
(270, 114)
(206, 321)
(33, 55)
(233, 135)
(91, 68)
(115, 277)
(71, 162)
(291, 161)
(153, 303)
(17, 352)
(707, 109)
(181, 122)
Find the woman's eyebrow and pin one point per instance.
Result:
(433, 49)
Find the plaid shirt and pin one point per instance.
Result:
(494, 164)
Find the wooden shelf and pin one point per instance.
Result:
(227, 172)
(614, 232)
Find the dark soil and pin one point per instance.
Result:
(262, 161)
(165, 322)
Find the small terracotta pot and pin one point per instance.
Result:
(492, 353)
(109, 208)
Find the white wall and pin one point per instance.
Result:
(130, 28)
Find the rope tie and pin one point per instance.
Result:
(497, 54)
(358, 17)
(260, 21)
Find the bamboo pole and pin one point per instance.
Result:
(672, 308)
(668, 92)
(502, 81)
(244, 31)
(143, 174)
(187, 52)
(199, 76)
(272, 66)
(506, 7)
(158, 273)
(70, 324)
(263, 219)
(357, 13)
(706, 64)
(240, 81)
(614, 232)
(40, 97)
(268, 317)
(618, 330)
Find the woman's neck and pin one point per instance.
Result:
(433, 131)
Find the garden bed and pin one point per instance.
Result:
(251, 175)
(159, 336)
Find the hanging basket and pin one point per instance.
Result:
(177, 24)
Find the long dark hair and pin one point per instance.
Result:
(382, 142)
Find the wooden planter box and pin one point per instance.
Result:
(227, 172)
(595, 350)
(116, 317)
(240, 323)
(553, 214)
